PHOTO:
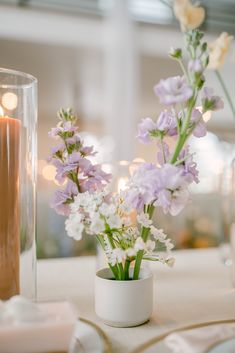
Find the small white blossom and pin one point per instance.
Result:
(144, 220)
(162, 257)
(170, 261)
(158, 234)
(165, 259)
(115, 256)
(139, 244)
(107, 210)
(131, 233)
(131, 252)
(114, 221)
(79, 201)
(97, 224)
(109, 251)
(168, 244)
(126, 221)
(124, 206)
(150, 245)
(74, 226)
(119, 254)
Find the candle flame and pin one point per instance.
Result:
(1, 111)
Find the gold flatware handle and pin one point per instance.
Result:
(159, 338)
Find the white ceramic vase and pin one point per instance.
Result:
(123, 303)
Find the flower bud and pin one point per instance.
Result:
(175, 53)
(204, 47)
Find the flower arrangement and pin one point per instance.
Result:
(86, 200)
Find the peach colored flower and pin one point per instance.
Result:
(190, 16)
(218, 50)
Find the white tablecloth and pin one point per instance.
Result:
(197, 289)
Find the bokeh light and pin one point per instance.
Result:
(9, 100)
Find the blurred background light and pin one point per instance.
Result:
(9, 100)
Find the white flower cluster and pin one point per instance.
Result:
(131, 243)
(95, 213)
(99, 213)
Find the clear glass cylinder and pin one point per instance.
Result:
(18, 152)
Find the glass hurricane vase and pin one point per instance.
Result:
(18, 148)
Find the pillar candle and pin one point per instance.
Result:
(9, 206)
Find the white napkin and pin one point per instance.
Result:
(200, 339)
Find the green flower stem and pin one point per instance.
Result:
(118, 266)
(114, 269)
(221, 81)
(178, 148)
(78, 185)
(126, 270)
(183, 135)
(183, 69)
(144, 234)
(138, 261)
(121, 272)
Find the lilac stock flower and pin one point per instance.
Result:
(144, 128)
(173, 193)
(195, 66)
(173, 90)
(69, 158)
(210, 101)
(62, 198)
(88, 151)
(143, 186)
(172, 201)
(60, 173)
(165, 187)
(58, 149)
(73, 140)
(95, 179)
(73, 163)
(54, 131)
(188, 166)
(200, 126)
(67, 126)
(167, 123)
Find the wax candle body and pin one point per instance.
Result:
(9, 207)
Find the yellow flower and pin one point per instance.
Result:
(218, 50)
(190, 16)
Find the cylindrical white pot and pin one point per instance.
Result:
(123, 303)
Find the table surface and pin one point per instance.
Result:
(198, 289)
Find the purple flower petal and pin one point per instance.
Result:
(173, 90)
(167, 123)
(144, 128)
